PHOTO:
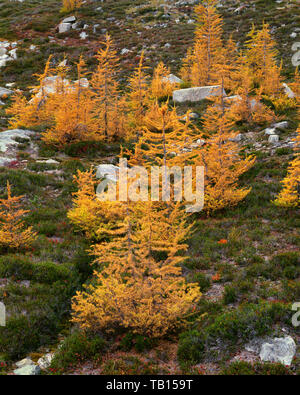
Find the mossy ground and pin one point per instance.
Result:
(258, 262)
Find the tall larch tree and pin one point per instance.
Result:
(133, 289)
(160, 86)
(137, 97)
(106, 90)
(13, 232)
(261, 57)
(201, 60)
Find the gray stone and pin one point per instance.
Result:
(196, 94)
(4, 92)
(69, 19)
(280, 349)
(172, 79)
(107, 171)
(7, 137)
(64, 27)
(125, 51)
(6, 161)
(270, 131)
(281, 125)
(24, 362)
(288, 91)
(83, 35)
(237, 138)
(273, 138)
(45, 361)
(28, 370)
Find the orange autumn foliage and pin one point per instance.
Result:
(132, 289)
(201, 60)
(13, 232)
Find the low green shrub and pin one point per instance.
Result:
(243, 368)
(191, 348)
(77, 348)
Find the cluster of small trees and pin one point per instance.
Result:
(290, 194)
(70, 5)
(138, 282)
(89, 109)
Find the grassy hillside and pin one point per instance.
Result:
(248, 282)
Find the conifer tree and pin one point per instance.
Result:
(248, 105)
(290, 194)
(70, 5)
(73, 111)
(31, 113)
(137, 97)
(106, 90)
(164, 136)
(160, 86)
(13, 232)
(201, 60)
(94, 217)
(261, 57)
(132, 289)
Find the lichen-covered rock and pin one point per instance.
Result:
(196, 94)
(28, 370)
(45, 361)
(280, 349)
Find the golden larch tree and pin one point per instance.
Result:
(201, 60)
(134, 290)
(13, 231)
(160, 86)
(106, 91)
(137, 97)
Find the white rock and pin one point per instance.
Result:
(107, 171)
(237, 138)
(45, 361)
(192, 115)
(5, 92)
(28, 370)
(7, 137)
(280, 350)
(281, 125)
(13, 53)
(270, 131)
(172, 79)
(69, 19)
(273, 138)
(288, 91)
(48, 161)
(200, 142)
(293, 35)
(196, 94)
(64, 27)
(83, 35)
(125, 51)
(231, 99)
(6, 161)
(24, 362)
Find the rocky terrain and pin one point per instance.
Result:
(239, 256)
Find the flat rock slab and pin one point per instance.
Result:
(196, 94)
(7, 138)
(107, 171)
(279, 349)
(4, 92)
(28, 370)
